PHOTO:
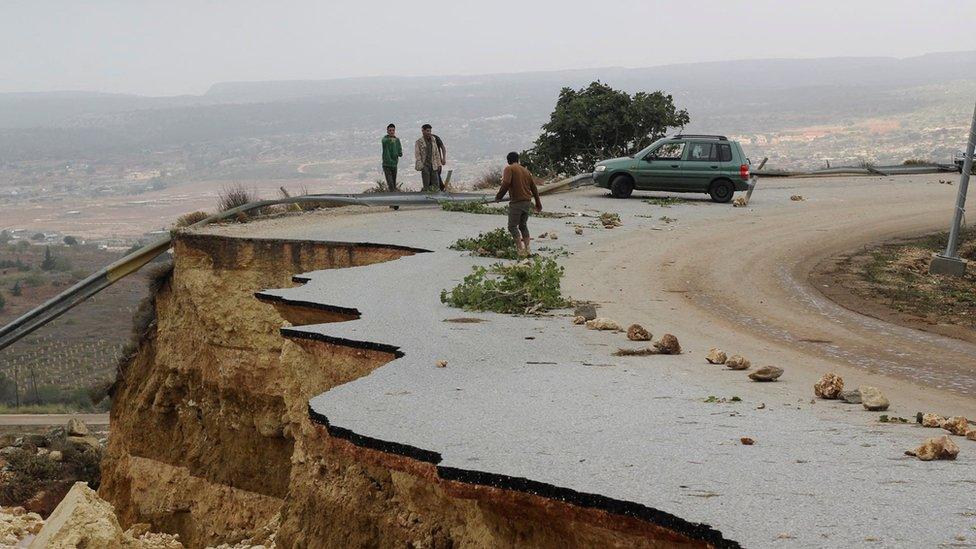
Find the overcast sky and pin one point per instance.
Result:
(178, 47)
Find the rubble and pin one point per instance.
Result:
(578, 230)
(82, 519)
(873, 399)
(957, 425)
(851, 397)
(933, 420)
(971, 435)
(766, 373)
(442, 364)
(737, 362)
(797, 198)
(935, 448)
(636, 332)
(716, 356)
(739, 202)
(76, 427)
(829, 387)
(668, 345)
(579, 320)
(747, 441)
(646, 351)
(18, 526)
(601, 323)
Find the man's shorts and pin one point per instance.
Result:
(518, 218)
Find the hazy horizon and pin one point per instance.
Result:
(183, 48)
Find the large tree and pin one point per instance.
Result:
(599, 122)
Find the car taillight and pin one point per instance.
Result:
(744, 172)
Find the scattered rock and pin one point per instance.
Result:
(747, 441)
(585, 310)
(668, 345)
(851, 397)
(716, 356)
(578, 230)
(971, 435)
(601, 323)
(553, 236)
(86, 441)
(442, 364)
(797, 198)
(830, 386)
(739, 202)
(55, 455)
(82, 519)
(636, 332)
(935, 448)
(737, 362)
(873, 399)
(17, 526)
(766, 373)
(579, 320)
(500, 254)
(933, 420)
(76, 427)
(956, 425)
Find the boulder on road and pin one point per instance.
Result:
(668, 345)
(585, 310)
(851, 397)
(873, 399)
(956, 425)
(766, 373)
(936, 448)
(829, 386)
(636, 332)
(933, 420)
(737, 362)
(601, 323)
(716, 356)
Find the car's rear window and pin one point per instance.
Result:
(724, 152)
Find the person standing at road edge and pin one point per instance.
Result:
(392, 151)
(518, 182)
(428, 159)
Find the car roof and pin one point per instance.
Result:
(699, 136)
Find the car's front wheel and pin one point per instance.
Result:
(621, 186)
(721, 191)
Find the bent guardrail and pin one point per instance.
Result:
(98, 281)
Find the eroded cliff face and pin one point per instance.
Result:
(212, 438)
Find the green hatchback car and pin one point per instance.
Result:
(682, 163)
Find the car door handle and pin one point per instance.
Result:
(674, 165)
(714, 167)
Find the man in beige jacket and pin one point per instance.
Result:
(429, 155)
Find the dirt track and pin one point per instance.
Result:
(740, 279)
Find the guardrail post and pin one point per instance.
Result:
(949, 263)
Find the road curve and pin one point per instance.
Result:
(740, 278)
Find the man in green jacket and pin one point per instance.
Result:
(392, 151)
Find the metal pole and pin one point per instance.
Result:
(949, 263)
(967, 167)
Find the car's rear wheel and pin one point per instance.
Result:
(621, 186)
(721, 191)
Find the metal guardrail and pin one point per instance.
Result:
(98, 281)
(899, 169)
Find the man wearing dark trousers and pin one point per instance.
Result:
(429, 155)
(392, 151)
(520, 185)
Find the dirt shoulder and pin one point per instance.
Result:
(891, 282)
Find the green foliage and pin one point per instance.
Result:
(3, 302)
(5, 237)
(70, 241)
(917, 162)
(16, 290)
(529, 286)
(665, 201)
(48, 263)
(498, 243)
(234, 196)
(37, 237)
(599, 122)
(473, 207)
(712, 399)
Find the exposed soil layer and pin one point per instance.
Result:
(212, 439)
(891, 282)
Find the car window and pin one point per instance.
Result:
(668, 151)
(724, 152)
(700, 152)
